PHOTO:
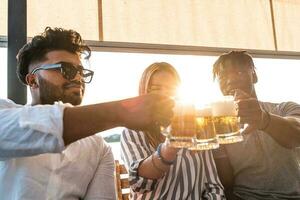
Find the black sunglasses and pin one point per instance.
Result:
(68, 71)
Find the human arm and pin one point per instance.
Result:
(139, 113)
(135, 150)
(284, 128)
(32, 130)
(153, 167)
(213, 187)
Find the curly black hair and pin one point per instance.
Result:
(49, 40)
(236, 57)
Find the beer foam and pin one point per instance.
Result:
(184, 109)
(224, 108)
(204, 112)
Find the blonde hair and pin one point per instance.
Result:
(155, 137)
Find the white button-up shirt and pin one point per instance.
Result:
(84, 170)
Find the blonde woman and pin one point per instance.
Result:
(157, 171)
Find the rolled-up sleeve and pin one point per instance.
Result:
(30, 130)
(134, 150)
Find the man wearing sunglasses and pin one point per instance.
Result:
(51, 66)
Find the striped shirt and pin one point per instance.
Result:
(192, 176)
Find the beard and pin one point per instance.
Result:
(50, 93)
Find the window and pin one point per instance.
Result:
(278, 79)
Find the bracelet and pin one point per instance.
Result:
(268, 121)
(155, 166)
(163, 160)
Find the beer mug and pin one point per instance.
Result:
(226, 121)
(206, 137)
(181, 132)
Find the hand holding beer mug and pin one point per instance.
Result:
(182, 130)
(206, 137)
(226, 121)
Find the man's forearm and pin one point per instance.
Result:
(285, 130)
(135, 113)
(83, 121)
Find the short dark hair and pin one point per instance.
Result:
(236, 57)
(49, 40)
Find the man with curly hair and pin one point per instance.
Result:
(50, 64)
(32, 130)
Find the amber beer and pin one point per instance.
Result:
(206, 137)
(182, 130)
(226, 122)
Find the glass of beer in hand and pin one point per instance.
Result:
(206, 137)
(226, 121)
(181, 132)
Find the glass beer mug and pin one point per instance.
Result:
(226, 121)
(206, 137)
(181, 132)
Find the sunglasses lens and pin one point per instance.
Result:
(69, 71)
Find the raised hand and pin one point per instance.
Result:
(249, 111)
(146, 111)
